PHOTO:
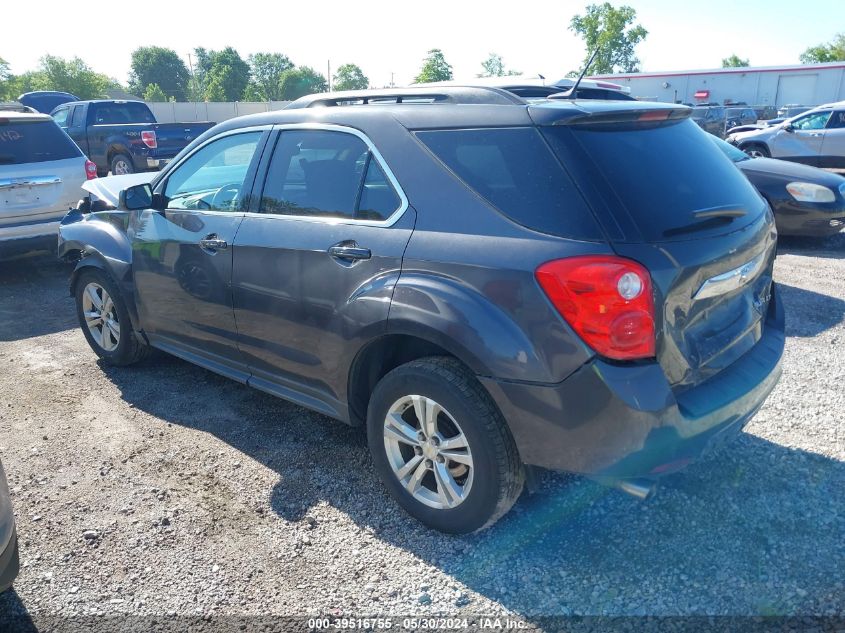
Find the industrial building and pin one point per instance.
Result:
(806, 84)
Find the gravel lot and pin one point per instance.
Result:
(165, 489)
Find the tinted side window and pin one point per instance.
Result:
(212, 179)
(327, 174)
(78, 119)
(837, 120)
(60, 117)
(34, 142)
(514, 170)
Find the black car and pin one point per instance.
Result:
(739, 116)
(711, 119)
(805, 200)
(486, 284)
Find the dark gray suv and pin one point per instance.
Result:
(488, 284)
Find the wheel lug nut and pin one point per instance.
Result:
(440, 459)
(417, 450)
(435, 441)
(421, 436)
(429, 464)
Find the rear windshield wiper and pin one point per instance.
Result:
(707, 219)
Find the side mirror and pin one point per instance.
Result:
(789, 127)
(137, 197)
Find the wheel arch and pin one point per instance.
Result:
(384, 354)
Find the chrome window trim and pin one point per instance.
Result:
(329, 127)
(732, 279)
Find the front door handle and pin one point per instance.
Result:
(213, 244)
(346, 250)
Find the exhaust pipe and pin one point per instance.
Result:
(642, 489)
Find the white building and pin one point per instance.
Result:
(806, 84)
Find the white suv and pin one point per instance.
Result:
(41, 172)
(816, 137)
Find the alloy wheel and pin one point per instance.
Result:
(101, 316)
(428, 452)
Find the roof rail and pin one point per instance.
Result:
(477, 95)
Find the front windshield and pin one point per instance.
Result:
(736, 155)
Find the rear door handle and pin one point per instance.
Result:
(349, 251)
(213, 243)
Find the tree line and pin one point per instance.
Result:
(160, 74)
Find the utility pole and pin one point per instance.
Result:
(392, 85)
(329, 72)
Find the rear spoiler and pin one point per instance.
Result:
(638, 115)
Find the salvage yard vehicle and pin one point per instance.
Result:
(487, 284)
(805, 200)
(9, 558)
(815, 138)
(122, 137)
(41, 172)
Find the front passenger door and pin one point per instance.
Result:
(182, 256)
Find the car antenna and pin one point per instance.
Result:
(574, 89)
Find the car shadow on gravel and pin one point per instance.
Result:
(810, 313)
(14, 615)
(34, 298)
(754, 528)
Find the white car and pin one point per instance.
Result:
(41, 174)
(815, 137)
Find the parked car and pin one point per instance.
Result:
(45, 101)
(418, 262)
(9, 559)
(815, 138)
(710, 119)
(739, 116)
(14, 106)
(122, 136)
(805, 200)
(41, 172)
(789, 111)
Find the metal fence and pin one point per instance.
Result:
(173, 112)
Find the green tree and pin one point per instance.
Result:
(7, 80)
(301, 81)
(434, 68)
(833, 51)
(219, 75)
(494, 67)
(734, 61)
(350, 77)
(68, 75)
(266, 72)
(154, 93)
(612, 31)
(162, 67)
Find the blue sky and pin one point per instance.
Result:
(393, 36)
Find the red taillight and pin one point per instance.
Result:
(90, 169)
(607, 300)
(148, 138)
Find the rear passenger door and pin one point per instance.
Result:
(315, 262)
(833, 146)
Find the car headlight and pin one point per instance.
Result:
(808, 192)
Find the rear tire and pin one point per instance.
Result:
(105, 321)
(121, 164)
(458, 470)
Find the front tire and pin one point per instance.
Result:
(441, 446)
(755, 150)
(105, 321)
(121, 165)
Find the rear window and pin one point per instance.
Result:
(661, 175)
(117, 113)
(34, 142)
(515, 171)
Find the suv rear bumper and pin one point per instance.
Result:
(616, 422)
